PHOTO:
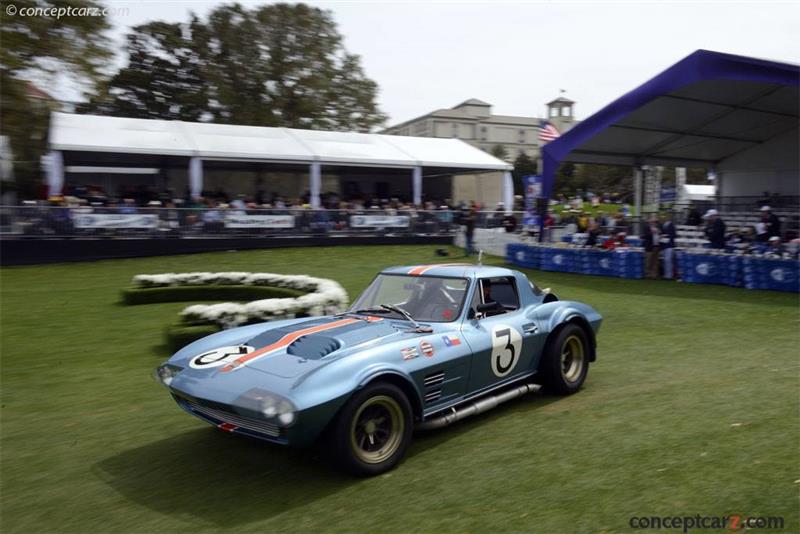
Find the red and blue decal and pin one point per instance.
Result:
(451, 341)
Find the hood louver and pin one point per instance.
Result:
(313, 347)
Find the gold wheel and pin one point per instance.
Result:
(572, 359)
(377, 429)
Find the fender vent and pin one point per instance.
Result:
(313, 347)
(433, 379)
(433, 396)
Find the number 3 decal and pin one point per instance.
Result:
(506, 346)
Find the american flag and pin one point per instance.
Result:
(547, 132)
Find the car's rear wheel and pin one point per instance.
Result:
(372, 431)
(565, 361)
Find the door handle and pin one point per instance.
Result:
(530, 328)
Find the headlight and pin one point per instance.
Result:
(269, 406)
(166, 373)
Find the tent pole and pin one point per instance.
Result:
(416, 185)
(55, 173)
(508, 192)
(196, 177)
(315, 183)
(637, 195)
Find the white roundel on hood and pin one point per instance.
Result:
(220, 356)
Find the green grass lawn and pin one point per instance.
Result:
(691, 408)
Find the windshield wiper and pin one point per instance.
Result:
(366, 311)
(397, 309)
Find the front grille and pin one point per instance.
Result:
(254, 425)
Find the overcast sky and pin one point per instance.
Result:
(517, 55)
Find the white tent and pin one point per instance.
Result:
(71, 133)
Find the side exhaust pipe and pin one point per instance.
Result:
(483, 405)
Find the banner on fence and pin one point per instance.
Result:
(258, 221)
(379, 221)
(533, 192)
(115, 220)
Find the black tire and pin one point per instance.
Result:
(562, 370)
(384, 409)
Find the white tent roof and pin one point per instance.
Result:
(91, 133)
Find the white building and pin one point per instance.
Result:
(472, 121)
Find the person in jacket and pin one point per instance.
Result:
(772, 224)
(715, 229)
(651, 241)
(667, 244)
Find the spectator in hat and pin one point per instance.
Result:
(771, 222)
(775, 249)
(715, 229)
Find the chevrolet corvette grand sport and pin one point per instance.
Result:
(422, 347)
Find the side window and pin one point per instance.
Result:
(504, 291)
(500, 291)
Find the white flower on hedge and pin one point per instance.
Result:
(323, 297)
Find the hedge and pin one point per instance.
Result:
(132, 296)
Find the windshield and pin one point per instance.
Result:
(425, 298)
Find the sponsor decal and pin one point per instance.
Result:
(604, 263)
(451, 341)
(288, 339)
(379, 221)
(781, 275)
(227, 427)
(409, 353)
(116, 220)
(704, 269)
(241, 220)
(506, 347)
(426, 348)
(220, 356)
(558, 259)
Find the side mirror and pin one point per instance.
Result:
(483, 308)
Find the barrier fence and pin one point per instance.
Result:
(698, 267)
(49, 221)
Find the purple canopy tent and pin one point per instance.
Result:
(699, 112)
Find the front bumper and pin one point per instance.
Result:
(308, 424)
(229, 421)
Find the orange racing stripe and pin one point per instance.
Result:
(290, 338)
(421, 269)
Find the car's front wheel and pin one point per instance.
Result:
(565, 361)
(372, 431)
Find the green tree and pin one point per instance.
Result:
(162, 80)
(523, 166)
(72, 45)
(273, 65)
(499, 151)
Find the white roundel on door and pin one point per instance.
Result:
(506, 348)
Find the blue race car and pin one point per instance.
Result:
(422, 347)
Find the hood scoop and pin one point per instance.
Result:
(313, 347)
